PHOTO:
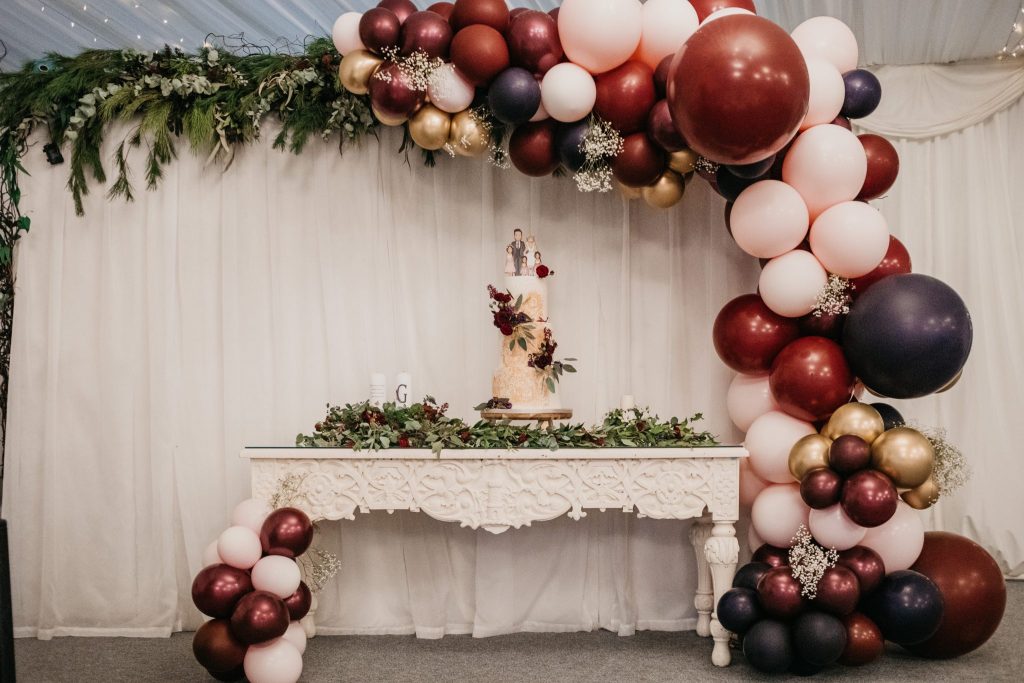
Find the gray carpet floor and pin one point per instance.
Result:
(597, 657)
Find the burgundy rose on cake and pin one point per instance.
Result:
(508, 318)
(545, 363)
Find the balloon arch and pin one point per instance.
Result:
(646, 95)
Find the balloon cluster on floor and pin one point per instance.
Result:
(251, 587)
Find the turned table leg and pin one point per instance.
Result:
(704, 599)
(722, 552)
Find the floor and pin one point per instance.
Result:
(597, 657)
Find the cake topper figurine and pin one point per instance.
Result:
(523, 258)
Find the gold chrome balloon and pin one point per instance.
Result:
(904, 455)
(666, 192)
(629, 192)
(683, 161)
(809, 453)
(388, 120)
(858, 419)
(356, 69)
(467, 137)
(922, 497)
(429, 127)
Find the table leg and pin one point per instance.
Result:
(704, 599)
(722, 551)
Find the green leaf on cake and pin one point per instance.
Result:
(568, 368)
(522, 343)
(551, 385)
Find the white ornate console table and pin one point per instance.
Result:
(499, 489)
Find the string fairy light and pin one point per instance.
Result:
(1014, 45)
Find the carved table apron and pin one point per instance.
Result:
(499, 489)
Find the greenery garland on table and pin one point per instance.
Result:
(362, 426)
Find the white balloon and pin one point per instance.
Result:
(275, 661)
(239, 547)
(828, 91)
(346, 33)
(568, 92)
(599, 36)
(251, 513)
(850, 239)
(667, 24)
(899, 541)
(725, 12)
(768, 219)
(749, 397)
(790, 284)
(296, 635)
(778, 513)
(769, 440)
(750, 484)
(449, 90)
(833, 529)
(829, 39)
(827, 165)
(540, 114)
(276, 574)
(210, 555)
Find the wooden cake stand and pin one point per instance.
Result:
(545, 418)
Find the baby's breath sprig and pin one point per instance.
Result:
(705, 166)
(320, 567)
(834, 297)
(418, 67)
(808, 561)
(600, 146)
(950, 469)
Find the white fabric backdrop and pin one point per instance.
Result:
(153, 339)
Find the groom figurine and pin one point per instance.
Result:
(518, 250)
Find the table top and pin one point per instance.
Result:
(294, 453)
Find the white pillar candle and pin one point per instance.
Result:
(627, 402)
(377, 390)
(403, 391)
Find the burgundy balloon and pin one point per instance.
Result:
(259, 617)
(218, 588)
(532, 148)
(640, 163)
(779, 593)
(883, 166)
(379, 28)
(403, 9)
(236, 674)
(810, 378)
(395, 95)
(748, 335)
(533, 41)
(842, 121)
(838, 591)
(515, 12)
(662, 130)
(895, 262)
(480, 53)
(661, 76)
(426, 31)
(216, 647)
(625, 96)
(821, 488)
(442, 8)
(864, 641)
(848, 454)
(866, 564)
(770, 555)
(869, 498)
(299, 602)
(493, 13)
(738, 89)
(287, 532)
(554, 13)
(828, 325)
(707, 7)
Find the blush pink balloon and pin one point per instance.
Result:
(750, 484)
(829, 39)
(768, 219)
(599, 35)
(749, 397)
(345, 33)
(211, 556)
(240, 547)
(296, 635)
(850, 239)
(275, 661)
(666, 26)
(769, 441)
(276, 574)
(449, 90)
(827, 165)
(790, 284)
(827, 93)
(753, 540)
(899, 541)
(251, 514)
(833, 529)
(568, 92)
(778, 513)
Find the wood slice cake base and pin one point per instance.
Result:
(544, 418)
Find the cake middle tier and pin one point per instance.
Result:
(524, 386)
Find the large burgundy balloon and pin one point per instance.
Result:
(299, 602)
(810, 378)
(403, 9)
(625, 96)
(661, 76)
(864, 641)
(973, 590)
(866, 564)
(640, 163)
(493, 13)
(738, 89)
(394, 93)
(218, 588)
(532, 148)
(821, 488)
(426, 31)
(379, 28)
(895, 262)
(883, 166)
(287, 532)
(869, 498)
(515, 12)
(779, 593)
(533, 41)
(748, 335)
(829, 325)
(838, 591)
(848, 454)
(216, 648)
(443, 8)
(707, 7)
(480, 53)
(662, 130)
(259, 617)
(770, 555)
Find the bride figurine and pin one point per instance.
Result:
(531, 249)
(510, 261)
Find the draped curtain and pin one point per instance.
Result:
(154, 339)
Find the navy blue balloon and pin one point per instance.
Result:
(754, 170)
(863, 93)
(907, 606)
(819, 638)
(569, 144)
(768, 646)
(890, 416)
(514, 96)
(907, 336)
(738, 609)
(749, 574)
(730, 185)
